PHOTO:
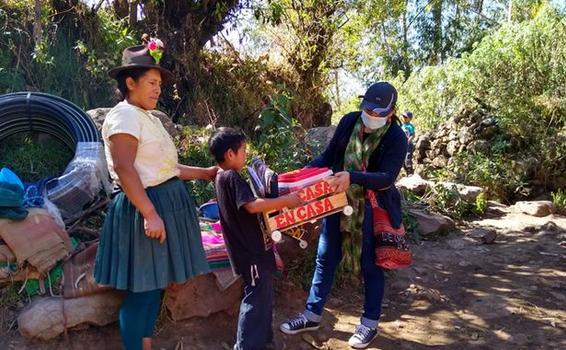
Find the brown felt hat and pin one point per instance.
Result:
(139, 57)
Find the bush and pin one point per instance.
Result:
(278, 136)
(34, 157)
(447, 201)
(496, 173)
(519, 75)
(277, 141)
(73, 56)
(232, 92)
(559, 200)
(480, 205)
(192, 146)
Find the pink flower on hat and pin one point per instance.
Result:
(156, 47)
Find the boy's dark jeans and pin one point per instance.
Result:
(254, 324)
(408, 164)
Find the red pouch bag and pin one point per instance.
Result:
(391, 247)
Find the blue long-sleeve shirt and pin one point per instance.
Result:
(383, 166)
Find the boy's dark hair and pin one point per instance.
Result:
(223, 140)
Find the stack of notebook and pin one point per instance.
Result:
(298, 179)
(214, 248)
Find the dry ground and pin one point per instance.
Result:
(459, 294)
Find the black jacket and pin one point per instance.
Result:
(383, 166)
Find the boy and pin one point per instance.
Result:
(250, 256)
(409, 129)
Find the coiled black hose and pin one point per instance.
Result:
(86, 174)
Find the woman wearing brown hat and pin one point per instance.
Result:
(151, 236)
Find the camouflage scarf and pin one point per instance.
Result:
(356, 158)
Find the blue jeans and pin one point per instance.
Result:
(254, 323)
(328, 257)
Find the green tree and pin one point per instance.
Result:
(306, 35)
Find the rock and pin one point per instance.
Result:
(429, 154)
(414, 183)
(457, 243)
(440, 161)
(452, 147)
(467, 193)
(43, 318)
(475, 116)
(441, 132)
(485, 236)
(478, 146)
(201, 296)
(464, 136)
(437, 145)
(99, 114)
(453, 135)
(550, 227)
(460, 116)
(488, 132)
(432, 224)
(452, 123)
(423, 142)
(419, 157)
(534, 208)
(420, 169)
(318, 138)
(489, 122)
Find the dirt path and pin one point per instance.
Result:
(458, 295)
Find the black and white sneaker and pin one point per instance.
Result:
(298, 324)
(362, 337)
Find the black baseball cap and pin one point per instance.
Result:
(380, 97)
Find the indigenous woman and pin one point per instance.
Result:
(151, 236)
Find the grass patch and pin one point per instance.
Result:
(300, 270)
(9, 296)
(34, 156)
(9, 301)
(559, 200)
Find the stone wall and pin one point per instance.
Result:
(467, 131)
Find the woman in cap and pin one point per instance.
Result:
(151, 236)
(366, 153)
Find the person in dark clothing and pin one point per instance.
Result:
(250, 251)
(366, 153)
(409, 130)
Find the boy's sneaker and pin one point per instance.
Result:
(298, 324)
(362, 337)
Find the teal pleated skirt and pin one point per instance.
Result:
(129, 260)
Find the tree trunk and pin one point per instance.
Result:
(510, 11)
(121, 7)
(405, 30)
(132, 13)
(307, 59)
(437, 43)
(37, 31)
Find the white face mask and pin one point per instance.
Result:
(373, 123)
